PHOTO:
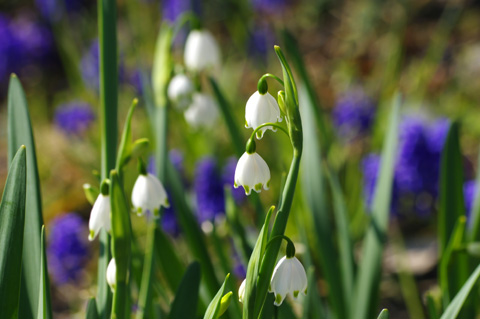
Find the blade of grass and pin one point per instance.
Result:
(452, 206)
(384, 314)
(20, 133)
(186, 298)
(313, 186)
(44, 303)
(455, 306)
(368, 278)
(91, 312)
(12, 221)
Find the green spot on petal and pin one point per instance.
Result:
(156, 212)
(91, 236)
(305, 292)
(247, 189)
(139, 211)
(268, 184)
(295, 293)
(258, 187)
(278, 299)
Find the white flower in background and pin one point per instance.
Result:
(241, 291)
(289, 277)
(252, 172)
(202, 112)
(201, 51)
(148, 194)
(112, 274)
(100, 216)
(261, 109)
(180, 91)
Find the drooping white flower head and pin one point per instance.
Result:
(252, 172)
(261, 109)
(148, 194)
(100, 216)
(180, 91)
(112, 274)
(201, 51)
(289, 278)
(241, 291)
(202, 112)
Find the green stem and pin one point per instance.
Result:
(269, 75)
(108, 119)
(278, 229)
(281, 128)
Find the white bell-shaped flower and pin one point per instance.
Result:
(252, 172)
(201, 51)
(100, 216)
(148, 194)
(202, 112)
(180, 91)
(112, 274)
(241, 291)
(261, 109)
(289, 278)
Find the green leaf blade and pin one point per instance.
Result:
(20, 133)
(187, 294)
(12, 221)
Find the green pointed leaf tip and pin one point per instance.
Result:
(12, 221)
(384, 314)
(213, 310)
(125, 147)
(20, 133)
(92, 312)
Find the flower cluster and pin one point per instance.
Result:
(415, 185)
(74, 118)
(201, 54)
(67, 249)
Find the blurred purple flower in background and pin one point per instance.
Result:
(269, 6)
(24, 41)
(67, 248)
(54, 10)
(172, 9)
(469, 190)
(260, 43)
(74, 118)
(417, 168)
(209, 191)
(228, 177)
(353, 114)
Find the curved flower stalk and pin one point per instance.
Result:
(255, 297)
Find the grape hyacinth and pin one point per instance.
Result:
(67, 249)
(54, 10)
(353, 114)
(417, 168)
(74, 118)
(172, 9)
(208, 187)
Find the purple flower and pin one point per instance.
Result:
(74, 118)
(269, 6)
(353, 114)
(416, 175)
(67, 248)
(172, 9)
(228, 177)
(260, 43)
(209, 191)
(469, 190)
(53, 10)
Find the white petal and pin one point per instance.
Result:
(201, 51)
(180, 90)
(100, 216)
(148, 194)
(111, 274)
(202, 112)
(241, 291)
(252, 172)
(261, 109)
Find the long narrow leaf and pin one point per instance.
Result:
(186, 298)
(368, 280)
(20, 133)
(44, 303)
(214, 307)
(313, 186)
(456, 305)
(92, 312)
(12, 219)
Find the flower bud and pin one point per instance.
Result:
(201, 51)
(180, 91)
